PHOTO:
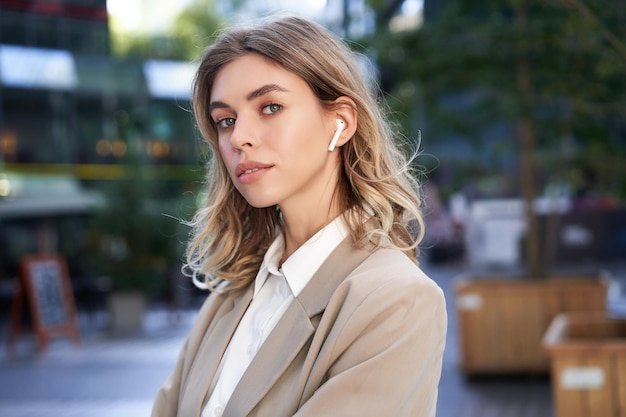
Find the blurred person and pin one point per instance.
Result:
(317, 304)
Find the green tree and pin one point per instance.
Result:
(189, 33)
(553, 71)
(136, 237)
(196, 27)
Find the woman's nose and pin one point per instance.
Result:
(244, 134)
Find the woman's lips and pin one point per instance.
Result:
(249, 172)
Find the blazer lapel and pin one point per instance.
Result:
(211, 351)
(293, 330)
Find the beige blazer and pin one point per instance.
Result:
(364, 338)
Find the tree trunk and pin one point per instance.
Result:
(526, 137)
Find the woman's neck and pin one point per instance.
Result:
(305, 214)
(300, 226)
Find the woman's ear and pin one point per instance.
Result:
(345, 111)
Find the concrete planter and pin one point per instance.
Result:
(126, 312)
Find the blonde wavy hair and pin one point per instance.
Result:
(229, 237)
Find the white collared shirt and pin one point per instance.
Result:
(275, 288)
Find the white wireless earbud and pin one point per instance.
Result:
(333, 142)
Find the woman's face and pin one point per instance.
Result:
(273, 135)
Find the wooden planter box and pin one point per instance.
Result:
(588, 355)
(502, 321)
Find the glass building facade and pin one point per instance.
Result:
(74, 121)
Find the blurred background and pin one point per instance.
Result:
(517, 109)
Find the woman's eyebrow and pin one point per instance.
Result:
(217, 105)
(259, 92)
(268, 88)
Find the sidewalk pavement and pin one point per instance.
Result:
(106, 376)
(111, 376)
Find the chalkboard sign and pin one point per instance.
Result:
(45, 285)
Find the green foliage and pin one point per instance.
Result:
(134, 241)
(196, 28)
(192, 30)
(460, 71)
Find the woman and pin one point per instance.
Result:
(317, 305)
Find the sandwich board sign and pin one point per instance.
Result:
(45, 286)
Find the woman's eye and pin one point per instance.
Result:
(225, 123)
(272, 108)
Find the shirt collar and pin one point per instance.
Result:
(300, 267)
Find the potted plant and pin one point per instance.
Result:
(135, 243)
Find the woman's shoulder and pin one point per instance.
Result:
(386, 287)
(391, 271)
(392, 264)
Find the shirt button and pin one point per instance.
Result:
(218, 411)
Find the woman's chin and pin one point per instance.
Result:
(259, 202)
